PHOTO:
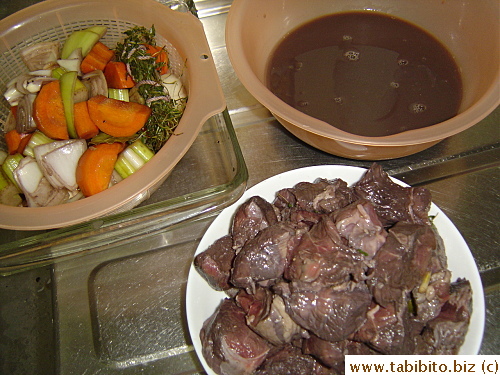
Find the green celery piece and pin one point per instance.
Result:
(9, 194)
(100, 30)
(4, 182)
(58, 72)
(84, 39)
(9, 165)
(67, 82)
(119, 94)
(79, 85)
(142, 150)
(37, 139)
(123, 167)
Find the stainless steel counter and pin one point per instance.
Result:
(121, 310)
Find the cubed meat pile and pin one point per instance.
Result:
(327, 270)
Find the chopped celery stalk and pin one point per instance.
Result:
(100, 30)
(9, 194)
(118, 94)
(142, 150)
(38, 138)
(58, 72)
(123, 167)
(84, 39)
(68, 81)
(425, 283)
(3, 156)
(4, 182)
(133, 158)
(9, 166)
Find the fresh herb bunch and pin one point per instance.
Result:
(144, 69)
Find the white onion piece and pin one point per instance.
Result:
(25, 122)
(75, 196)
(76, 54)
(20, 83)
(115, 178)
(39, 55)
(41, 73)
(12, 95)
(28, 175)
(95, 83)
(34, 84)
(27, 83)
(174, 86)
(80, 94)
(59, 163)
(43, 149)
(71, 65)
(36, 188)
(46, 195)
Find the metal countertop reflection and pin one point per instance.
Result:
(134, 298)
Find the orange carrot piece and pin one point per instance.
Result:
(97, 58)
(13, 139)
(48, 112)
(117, 76)
(25, 138)
(95, 167)
(16, 142)
(85, 127)
(161, 56)
(117, 117)
(13, 110)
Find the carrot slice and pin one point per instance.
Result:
(117, 117)
(48, 112)
(85, 127)
(161, 56)
(13, 110)
(13, 139)
(16, 142)
(97, 58)
(95, 167)
(117, 76)
(25, 139)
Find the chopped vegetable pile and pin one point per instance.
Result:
(86, 116)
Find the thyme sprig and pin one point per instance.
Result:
(166, 112)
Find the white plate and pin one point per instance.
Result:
(202, 300)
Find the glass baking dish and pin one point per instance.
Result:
(208, 178)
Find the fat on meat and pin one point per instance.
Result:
(331, 314)
(360, 225)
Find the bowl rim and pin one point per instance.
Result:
(234, 45)
(203, 78)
